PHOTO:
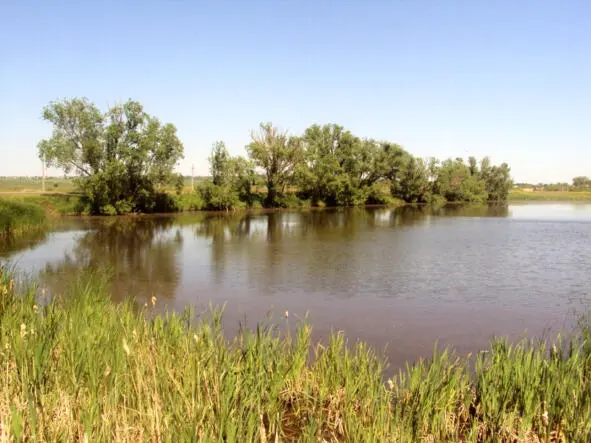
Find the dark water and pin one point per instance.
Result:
(403, 277)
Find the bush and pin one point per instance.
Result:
(379, 195)
(189, 202)
(290, 200)
(218, 198)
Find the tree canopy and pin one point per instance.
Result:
(328, 165)
(123, 157)
(124, 160)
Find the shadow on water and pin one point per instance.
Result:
(141, 253)
(11, 244)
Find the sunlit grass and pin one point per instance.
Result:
(17, 217)
(550, 195)
(81, 368)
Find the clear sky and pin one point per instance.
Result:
(506, 78)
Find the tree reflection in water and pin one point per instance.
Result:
(141, 253)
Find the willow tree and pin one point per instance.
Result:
(278, 154)
(123, 158)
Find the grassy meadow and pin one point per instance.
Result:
(518, 195)
(81, 368)
(34, 185)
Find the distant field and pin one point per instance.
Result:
(550, 195)
(34, 184)
(59, 185)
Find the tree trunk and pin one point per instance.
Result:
(271, 194)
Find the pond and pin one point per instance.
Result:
(400, 279)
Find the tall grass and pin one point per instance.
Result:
(82, 368)
(52, 204)
(17, 217)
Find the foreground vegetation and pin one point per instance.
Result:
(83, 368)
(16, 217)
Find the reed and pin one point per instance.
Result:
(16, 217)
(81, 368)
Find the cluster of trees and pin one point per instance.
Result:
(124, 161)
(582, 183)
(328, 165)
(124, 158)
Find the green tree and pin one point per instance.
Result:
(232, 180)
(473, 165)
(414, 185)
(123, 158)
(219, 164)
(581, 182)
(456, 184)
(498, 182)
(322, 175)
(278, 155)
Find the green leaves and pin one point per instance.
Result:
(278, 155)
(123, 156)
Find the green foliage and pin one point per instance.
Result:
(413, 185)
(81, 368)
(279, 156)
(456, 184)
(497, 180)
(581, 183)
(341, 169)
(19, 216)
(219, 162)
(123, 158)
(218, 197)
(189, 202)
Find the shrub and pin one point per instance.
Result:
(219, 198)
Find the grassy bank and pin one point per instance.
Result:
(83, 368)
(18, 217)
(550, 196)
(52, 203)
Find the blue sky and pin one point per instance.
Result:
(506, 78)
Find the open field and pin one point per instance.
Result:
(81, 368)
(34, 184)
(550, 195)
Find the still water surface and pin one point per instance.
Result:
(404, 277)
